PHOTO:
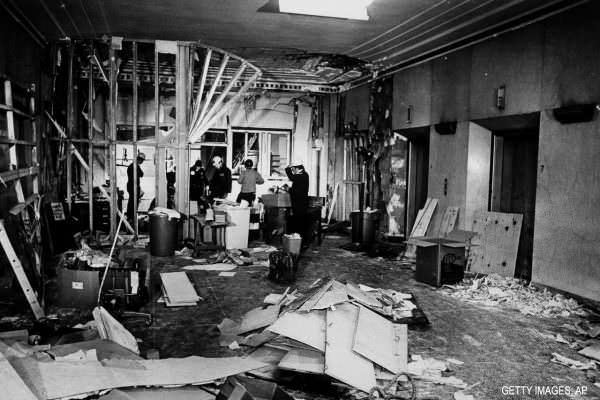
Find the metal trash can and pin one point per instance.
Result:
(364, 226)
(163, 233)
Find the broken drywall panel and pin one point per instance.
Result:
(307, 328)
(306, 361)
(335, 295)
(258, 318)
(111, 329)
(592, 351)
(321, 289)
(210, 267)
(341, 362)
(55, 379)
(494, 247)
(362, 296)
(13, 386)
(381, 341)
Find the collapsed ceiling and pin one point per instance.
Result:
(295, 48)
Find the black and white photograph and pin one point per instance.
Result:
(299, 200)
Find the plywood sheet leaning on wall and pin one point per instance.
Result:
(448, 221)
(494, 247)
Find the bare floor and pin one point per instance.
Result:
(499, 347)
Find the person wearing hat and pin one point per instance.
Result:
(248, 179)
(299, 199)
(219, 179)
(141, 157)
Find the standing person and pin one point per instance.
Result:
(198, 186)
(299, 198)
(219, 179)
(141, 157)
(249, 178)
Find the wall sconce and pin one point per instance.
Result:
(501, 97)
(409, 115)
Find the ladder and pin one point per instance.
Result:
(14, 176)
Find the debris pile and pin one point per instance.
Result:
(345, 333)
(48, 372)
(496, 290)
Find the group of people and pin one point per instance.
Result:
(216, 183)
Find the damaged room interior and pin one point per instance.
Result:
(299, 199)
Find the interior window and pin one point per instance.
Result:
(280, 154)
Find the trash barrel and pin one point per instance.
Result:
(163, 233)
(370, 224)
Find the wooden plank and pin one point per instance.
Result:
(307, 328)
(592, 351)
(111, 329)
(15, 174)
(341, 362)
(178, 287)
(306, 361)
(17, 268)
(381, 341)
(13, 386)
(494, 247)
(448, 221)
(421, 224)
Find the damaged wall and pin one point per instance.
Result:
(549, 64)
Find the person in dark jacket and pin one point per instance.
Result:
(299, 198)
(197, 181)
(141, 157)
(219, 179)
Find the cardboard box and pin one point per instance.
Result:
(78, 288)
(276, 200)
(441, 260)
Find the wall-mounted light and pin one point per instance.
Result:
(575, 113)
(501, 97)
(409, 115)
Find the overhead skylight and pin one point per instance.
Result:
(347, 9)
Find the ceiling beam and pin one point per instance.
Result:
(53, 18)
(25, 23)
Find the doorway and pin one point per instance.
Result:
(513, 186)
(417, 173)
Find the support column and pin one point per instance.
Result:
(183, 92)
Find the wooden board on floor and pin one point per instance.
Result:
(13, 386)
(381, 341)
(306, 361)
(494, 247)
(314, 298)
(592, 351)
(307, 328)
(341, 362)
(178, 288)
(448, 221)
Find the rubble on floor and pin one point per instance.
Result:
(346, 334)
(495, 290)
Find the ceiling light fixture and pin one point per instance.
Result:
(347, 9)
